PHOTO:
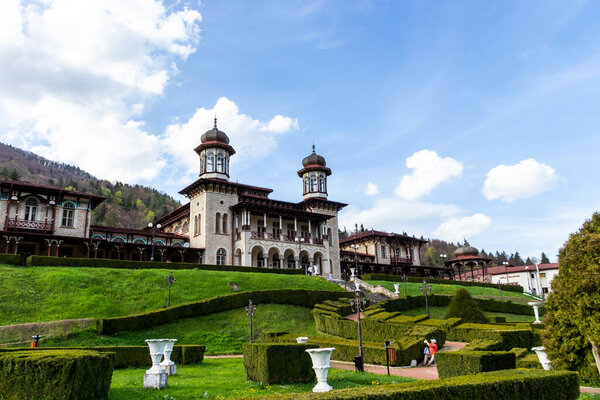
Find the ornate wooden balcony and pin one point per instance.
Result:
(400, 260)
(22, 224)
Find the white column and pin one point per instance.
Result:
(248, 222)
(265, 220)
(236, 221)
(295, 224)
(310, 235)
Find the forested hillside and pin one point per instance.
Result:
(127, 206)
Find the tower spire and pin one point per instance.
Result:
(215, 121)
(313, 146)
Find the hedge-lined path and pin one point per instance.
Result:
(225, 356)
(586, 389)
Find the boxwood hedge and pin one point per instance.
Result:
(297, 297)
(55, 375)
(271, 363)
(459, 363)
(507, 336)
(497, 385)
(397, 278)
(13, 259)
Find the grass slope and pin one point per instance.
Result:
(53, 293)
(221, 333)
(226, 379)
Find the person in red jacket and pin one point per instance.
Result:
(433, 348)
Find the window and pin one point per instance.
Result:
(532, 276)
(224, 223)
(221, 254)
(210, 163)
(218, 223)
(67, 215)
(383, 251)
(322, 184)
(313, 184)
(304, 232)
(220, 163)
(226, 161)
(276, 230)
(198, 224)
(542, 275)
(306, 186)
(290, 230)
(261, 229)
(31, 207)
(202, 164)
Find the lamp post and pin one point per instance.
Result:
(170, 280)
(250, 309)
(539, 282)
(355, 247)
(300, 241)
(154, 229)
(404, 279)
(426, 290)
(528, 279)
(358, 306)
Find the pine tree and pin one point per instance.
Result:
(545, 259)
(14, 175)
(528, 261)
(463, 306)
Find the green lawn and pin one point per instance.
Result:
(412, 289)
(225, 379)
(221, 333)
(587, 396)
(440, 312)
(52, 293)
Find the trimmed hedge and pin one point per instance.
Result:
(12, 259)
(45, 261)
(507, 336)
(530, 361)
(459, 363)
(296, 297)
(272, 363)
(55, 375)
(498, 385)
(128, 356)
(398, 279)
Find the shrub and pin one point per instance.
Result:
(13, 259)
(55, 375)
(458, 363)
(271, 363)
(462, 306)
(530, 361)
(508, 337)
(297, 297)
(498, 385)
(44, 261)
(397, 279)
(129, 356)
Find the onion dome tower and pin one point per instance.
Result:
(314, 176)
(214, 152)
(466, 251)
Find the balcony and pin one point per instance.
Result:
(22, 224)
(286, 238)
(400, 260)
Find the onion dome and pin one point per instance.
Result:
(215, 135)
(314, 159)
(466, 251)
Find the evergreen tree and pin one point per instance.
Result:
(362, 228)
(545, 259)
(463, 306)
(14, 175)
(528, 261)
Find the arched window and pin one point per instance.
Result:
(196, 225)
(220, 163)
(291, 263)
(199, 225)
(221, 255)
(226, 165)
(321, 184)
(260, 258)
(202, 164)
(306, 187)
(218, 223)
(210, 163)
(31, 207)
(68, 214)
(313, 184)
(224, 223)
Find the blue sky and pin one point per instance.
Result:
(456, 89)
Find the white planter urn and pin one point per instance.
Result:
(352, 272)
(321, 363)
(167, 365)
(397, 286)
(543, 357)
(302, 339)
(155, 377)
(536, 310)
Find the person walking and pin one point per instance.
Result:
(431, 348)
(425, 353)
(310, 270)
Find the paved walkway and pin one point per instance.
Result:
(585, 389)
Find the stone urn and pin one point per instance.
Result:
(536, 310)
(302, 339)
(321, 363)
(396, 286)
(352, 272)
(155, 377)
(543, 357)
(167, 365)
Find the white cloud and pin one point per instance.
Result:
(457, 229)
(251, 138)
(429, 171)
(76, 73)
(520, 181)
(372, 189)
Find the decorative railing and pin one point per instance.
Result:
(400, 260)
(317, 241)
(31, 225)
(257, 235)
(288, 238)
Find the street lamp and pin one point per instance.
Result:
(404, 279)
(170, 280)
(358, 306)
(443, 257)
(300, 241)
(528, 279)
(426, 290)
(355, 247)
(154, 229)
(250, 309)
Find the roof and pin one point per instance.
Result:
(22, 185)
(174, 215)
(358, 253)
(467, 258)
(499, 270)
(374, 234)
(278, 207)
(216, 181)
(128, 231)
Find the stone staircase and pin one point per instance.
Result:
(375, 294)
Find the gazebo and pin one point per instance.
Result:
(467, 257)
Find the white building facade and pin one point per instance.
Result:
(536, 280)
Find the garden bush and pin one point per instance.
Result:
(530, 361)
(497, 385)
(459, 363)
(397, 279)
(464, 307)
(507, 336)
(297, 297)
(272, 363)
(129, 356)
(55, 375)
(45, 261)
(13, 259)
